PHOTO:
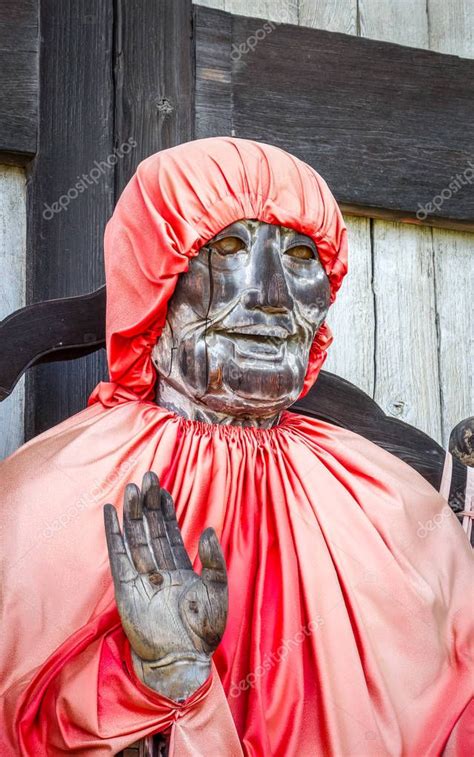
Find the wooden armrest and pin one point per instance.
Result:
(47, 331)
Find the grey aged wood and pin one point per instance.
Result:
(19, 44)
(352, 316)
(445, 27)
(402, 113)
(12, 294)
(407, 373)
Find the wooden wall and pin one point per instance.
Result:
(403, 319)
(12, 289)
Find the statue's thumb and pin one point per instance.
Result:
(212, 559)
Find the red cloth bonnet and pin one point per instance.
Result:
(177, 200)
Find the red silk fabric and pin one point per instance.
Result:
(348, 630)
(350, 580)
(178, 200)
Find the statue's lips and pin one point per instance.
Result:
(258, 342)
(257, 347)
(265, 332)
(181, 657)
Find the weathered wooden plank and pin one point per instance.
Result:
(281, 11)
(154, 79)
(18, 80)
(454, 276)
(12, 288)
(220, 4)
(419, 106)
(213, 96)
(406, 344)
(351, 318)
(451, 30)
(404, 22)
(446, 27)
(332, 15)
(70, 189)
(451, 26)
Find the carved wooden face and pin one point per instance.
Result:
(242, 320)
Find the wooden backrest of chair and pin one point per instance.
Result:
(68, 328)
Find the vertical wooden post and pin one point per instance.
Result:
(70, 188)
(110, 73)
(154, 78)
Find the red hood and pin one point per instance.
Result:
(177, 200)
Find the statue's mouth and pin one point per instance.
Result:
(257, 346)
(268, 333)
(181, 657)
(258, 342)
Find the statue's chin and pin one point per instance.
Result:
(251, 391)
(257, 382)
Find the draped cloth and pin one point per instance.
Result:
(350, 620)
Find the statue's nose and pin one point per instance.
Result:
(267, 289)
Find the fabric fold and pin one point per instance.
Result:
(348, 631)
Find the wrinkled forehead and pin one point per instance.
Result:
(254, 225)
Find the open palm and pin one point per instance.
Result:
(173, 617)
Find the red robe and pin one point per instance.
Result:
(350, 619)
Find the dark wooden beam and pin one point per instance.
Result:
(70, 188)
(389, 127)
(19, 82)
(154, 79)
(116, 86)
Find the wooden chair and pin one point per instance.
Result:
(69, 328)
(65, 329)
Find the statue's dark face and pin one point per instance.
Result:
(242, 320)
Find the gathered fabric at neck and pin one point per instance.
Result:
(337, 620)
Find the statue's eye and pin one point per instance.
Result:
(301, 252)
(228, 245)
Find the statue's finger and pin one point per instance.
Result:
(175, 539)
(152, 501)
(212, 559)
(120, 565)
(151, 490)
(134, 528)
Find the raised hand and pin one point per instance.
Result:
(173, 617)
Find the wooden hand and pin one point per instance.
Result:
(173, 618)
